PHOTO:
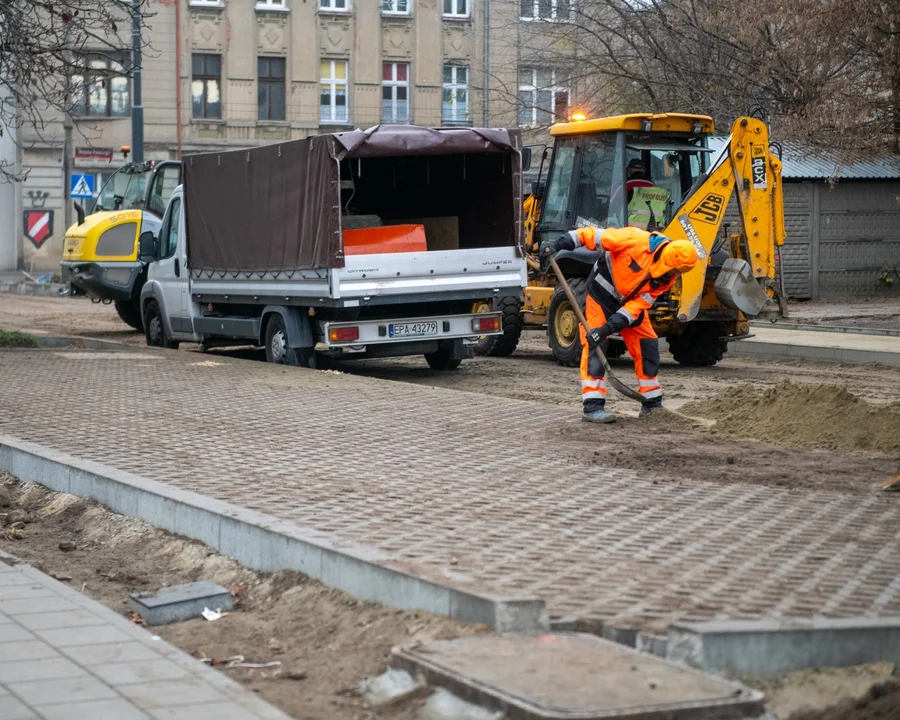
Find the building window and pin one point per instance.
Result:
(270, 91)
(395, 7)
(206, 3)
(101, 88)
(270, 5)
(395, 93)
(455, 104)
(541, 100)
(206, 81)
(456, 8)
(560, 10)
(333, 91)
(337, 5)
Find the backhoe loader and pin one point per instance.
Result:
(657, 172)
(100, 253)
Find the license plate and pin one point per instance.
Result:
(420, 329)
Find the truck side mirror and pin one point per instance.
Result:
(147, 247)
(526, 159)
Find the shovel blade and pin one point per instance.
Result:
(738, 289)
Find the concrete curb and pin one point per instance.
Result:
(768, 647)
(262, 542)
(52, 343)
(762, 348)
(843, 329)
(24, 287)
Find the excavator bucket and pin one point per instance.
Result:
(738, 289)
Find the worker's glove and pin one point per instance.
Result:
(595, 336)
(550, 247)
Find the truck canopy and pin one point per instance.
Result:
(279, 208)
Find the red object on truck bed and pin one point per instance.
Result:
(385, 239)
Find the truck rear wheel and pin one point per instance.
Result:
(501, 345)
(562, 324)
(277, 350)
(155, 328)
(699, 344)
(130, 313)
(443, 359)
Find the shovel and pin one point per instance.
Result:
(613, 380)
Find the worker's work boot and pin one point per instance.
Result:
(598, 416)
(648, 408)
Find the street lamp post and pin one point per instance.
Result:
(137, 109)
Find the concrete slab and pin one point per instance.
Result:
(768, 647)
(853, 348)
(180, 602)
(573, 676)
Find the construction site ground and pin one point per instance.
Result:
(494, 485)
(325, 641)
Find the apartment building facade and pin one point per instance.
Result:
(228, 74)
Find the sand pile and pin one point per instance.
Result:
(804, 415)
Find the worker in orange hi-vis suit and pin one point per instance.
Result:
(635, 268)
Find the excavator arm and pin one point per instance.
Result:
(750, 281)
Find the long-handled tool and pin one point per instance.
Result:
(614, 381)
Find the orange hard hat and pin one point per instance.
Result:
(677, 256)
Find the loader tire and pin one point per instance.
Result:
(130, 314)
(699, 344)
(562, 324)
(503, 345)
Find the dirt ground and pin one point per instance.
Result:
(326, 641)
(844, 439)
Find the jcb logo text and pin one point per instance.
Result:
(709, 209)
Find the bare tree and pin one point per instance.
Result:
(824, 71)
(45, 45)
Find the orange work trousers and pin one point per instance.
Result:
(642, 345)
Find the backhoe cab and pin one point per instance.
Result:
(100, 253)
(657, 172)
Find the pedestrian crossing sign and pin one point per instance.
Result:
(82, 186)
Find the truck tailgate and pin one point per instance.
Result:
(429, 272)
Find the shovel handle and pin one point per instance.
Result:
(573, 301)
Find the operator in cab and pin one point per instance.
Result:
(646, 202)
(633, 270)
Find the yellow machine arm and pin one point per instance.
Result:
(745, 163)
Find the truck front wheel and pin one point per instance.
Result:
(155, 328)
(699, 344)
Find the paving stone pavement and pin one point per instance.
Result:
(66, 657)
(458, 487)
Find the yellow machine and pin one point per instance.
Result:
(657, 172)
(100, 253)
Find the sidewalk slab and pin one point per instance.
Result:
(840, 347)
(73, 673)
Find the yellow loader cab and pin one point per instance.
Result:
(100, 253)
(655, 171)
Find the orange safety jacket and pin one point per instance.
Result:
(621, 277)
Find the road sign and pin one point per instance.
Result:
(81, 186)
(38, 225)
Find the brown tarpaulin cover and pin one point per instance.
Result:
(277, 208)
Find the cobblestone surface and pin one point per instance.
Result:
(462, 488)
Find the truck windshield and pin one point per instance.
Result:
(124, 190)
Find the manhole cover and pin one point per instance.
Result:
(574, 676)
